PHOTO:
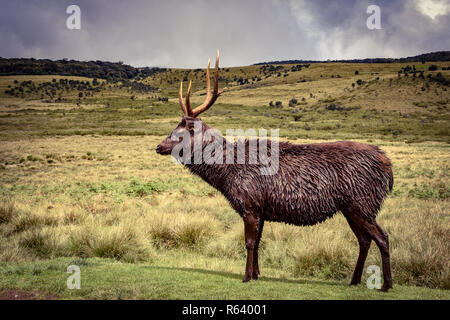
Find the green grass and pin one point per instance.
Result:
(127, 118)
(170, 279)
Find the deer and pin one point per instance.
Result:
(313, 182)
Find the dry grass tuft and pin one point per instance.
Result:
(6, 212)
(121, 242)
(181, 230)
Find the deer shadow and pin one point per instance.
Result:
(240, 276)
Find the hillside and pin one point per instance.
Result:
(431, 56)
(81, 183)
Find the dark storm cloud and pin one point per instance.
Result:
(340, 31)
(185, 33)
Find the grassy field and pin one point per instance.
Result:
(81, 184)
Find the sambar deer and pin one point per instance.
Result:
(312, 183)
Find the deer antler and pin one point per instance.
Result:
(180, 98)
(210, 97)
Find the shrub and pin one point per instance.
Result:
(334, 106)
(32, 158)
(293, 102)
(142, 189)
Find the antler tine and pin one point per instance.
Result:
(208, 81)
(216, 78)
(210, 98)
(180, 98)
(188, 102)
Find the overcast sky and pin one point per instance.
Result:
(185, 33)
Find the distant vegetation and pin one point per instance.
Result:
(432, 56)
(111, 71)
(59, 90)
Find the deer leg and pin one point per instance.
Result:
(364, 241)
(382, 241)
(255, 252)
(251, 233)
(372, 229)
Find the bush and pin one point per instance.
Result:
(32, 158)
(293, 102)
(334, 106)
(432, 67)
(142, 189)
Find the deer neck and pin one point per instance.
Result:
(214, 174)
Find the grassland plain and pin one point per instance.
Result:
(81, 184)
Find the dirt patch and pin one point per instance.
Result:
(17, 294)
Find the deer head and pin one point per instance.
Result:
(190, 117)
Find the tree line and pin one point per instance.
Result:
(110, 71)
(432, 56)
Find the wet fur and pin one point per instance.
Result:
(314, 181)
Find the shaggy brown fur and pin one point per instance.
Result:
(314, 181)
